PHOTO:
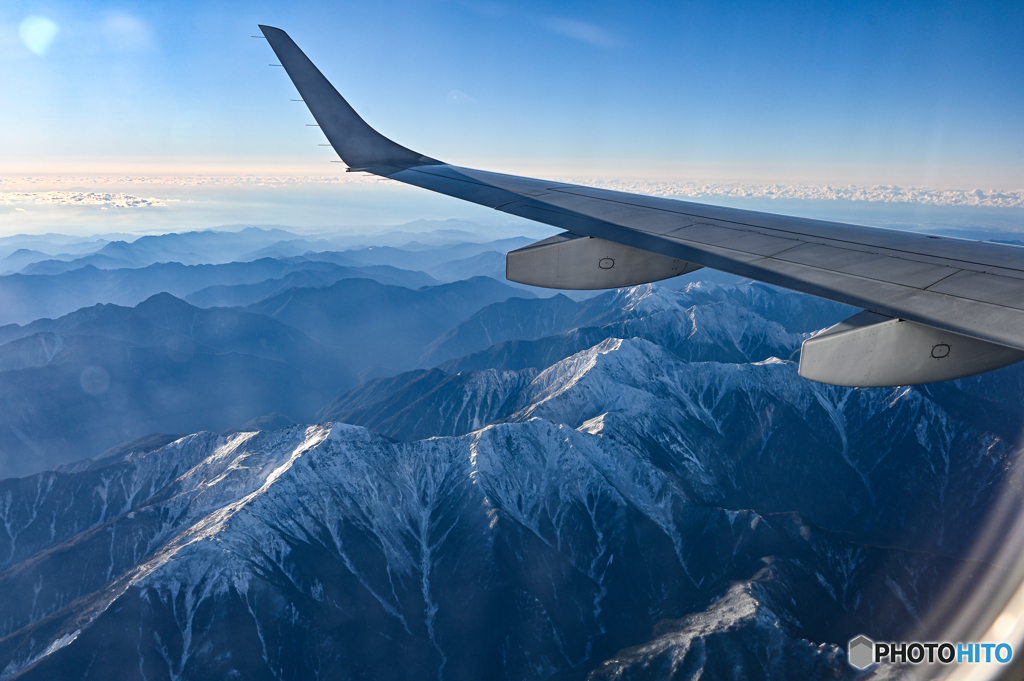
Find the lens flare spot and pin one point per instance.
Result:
(38, 33)
(94, 380)
(125, 33)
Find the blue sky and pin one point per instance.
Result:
(931, 91)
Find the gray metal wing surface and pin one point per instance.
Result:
(954, 288)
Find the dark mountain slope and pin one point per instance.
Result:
(98, 392)
(388, 326)
(74, 386)
(27, 297)
(315, 274)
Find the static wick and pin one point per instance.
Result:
(261, 37)
(273, 64)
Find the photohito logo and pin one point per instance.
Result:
(862, 652)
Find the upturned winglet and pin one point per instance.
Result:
(358, 145)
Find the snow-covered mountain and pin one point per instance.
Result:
(634, 515)
(429, 403)
(703, 321)
(386, 326)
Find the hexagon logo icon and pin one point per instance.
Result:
(861, 652)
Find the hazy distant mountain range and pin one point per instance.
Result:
(327, 465)
(30, 297)
(231, 244)
(220, 269)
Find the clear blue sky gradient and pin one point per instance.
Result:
(929, 93)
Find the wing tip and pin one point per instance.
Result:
(358, 144)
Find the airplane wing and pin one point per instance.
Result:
(936, 308)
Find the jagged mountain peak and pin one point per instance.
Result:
(645, 299)
(737, 631)
(797, 313)
(161, 304)
(627, 374)
(648, 299)
(704, 321)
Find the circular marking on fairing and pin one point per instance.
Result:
(939, 351)
(606, 263)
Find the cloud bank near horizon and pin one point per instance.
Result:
(667, 188)
(103, 199)
(871, 194)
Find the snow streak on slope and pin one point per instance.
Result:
(422, 404)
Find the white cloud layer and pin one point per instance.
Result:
(672, 189)
(187, 180)
(875, 193)
(106, 200)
